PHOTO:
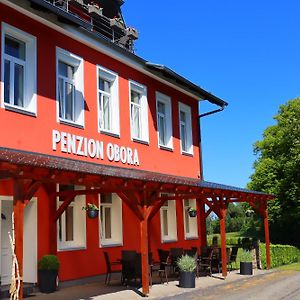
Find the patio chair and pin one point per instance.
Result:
(164, 264)
(128, 265)
(228, 252)
(191, 252)
(205, 262)
(175, 254)
(233, 256)
(109, 266)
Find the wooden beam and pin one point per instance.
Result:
(18, 209)
(132, 204)
(63, 207)
(223, 242)
(144, 255)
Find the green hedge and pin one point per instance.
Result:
(280, 255)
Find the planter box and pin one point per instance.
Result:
(187, 279)
(246, 268)
(47, 281)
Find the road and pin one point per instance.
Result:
(281, 285)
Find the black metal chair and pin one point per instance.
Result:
(128, 261)
(109, 266)
(175, 254)
(205, 262)
(233, 256)
(164, 264)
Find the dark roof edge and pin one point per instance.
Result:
(40, 160)
(193, 87)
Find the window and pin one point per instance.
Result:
(18, 70)
(164, 121)
(110, 220)
(70, 93)
(168, 221)
(138, 112)
(108, 101)
(190, 224)
(71, 227)
(185, 126)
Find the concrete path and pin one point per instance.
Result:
(263, 284)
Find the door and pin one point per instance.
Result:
(30, 242)
(6, 256)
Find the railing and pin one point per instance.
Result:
(112, 29)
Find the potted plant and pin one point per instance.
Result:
(48, 267)
(246, 267)
(192, 212)
(92, 210)
(187, 266)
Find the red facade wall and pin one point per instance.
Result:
(35, 134)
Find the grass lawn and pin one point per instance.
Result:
(291, 267)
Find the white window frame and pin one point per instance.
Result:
(143, 107)
(116, 223)
(188, 128)
(79, 224)
(113, 78)
(168, 118)
(192, 222)
(30, 70)
(77, 63)
(172, 222)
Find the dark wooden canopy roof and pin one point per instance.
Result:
(15, 162)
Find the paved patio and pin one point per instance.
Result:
(98, 290)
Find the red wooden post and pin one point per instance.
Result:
(223, 241)
(19, 228)
(202, 223)
(267, 238)
(144, 255)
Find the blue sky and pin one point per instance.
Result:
(245, 52)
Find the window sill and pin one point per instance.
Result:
(140, 141)
(71, 248)
(111, 244)
(19, 109)
(112, 134)
(166, 148)
(71, 123)
(169, 241)
(188, 238)
(191, 154)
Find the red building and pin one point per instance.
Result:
(85, 120)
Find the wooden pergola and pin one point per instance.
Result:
(142, 191)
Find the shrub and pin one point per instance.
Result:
(280, 255)
(246, 256)
(48, 262)
(186, 263)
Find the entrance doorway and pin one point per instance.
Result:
(30, 241)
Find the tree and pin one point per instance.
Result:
(277, 171)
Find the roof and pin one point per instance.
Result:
(168, 73)
(157, 70)
(37, 160)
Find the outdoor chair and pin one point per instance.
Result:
(228, 252)
(129, 265)
(109, 266)
(175, 254)
(191, 252)
(164, 264)
(233, 256)
(205, 262)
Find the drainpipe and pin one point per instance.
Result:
(212, 112)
